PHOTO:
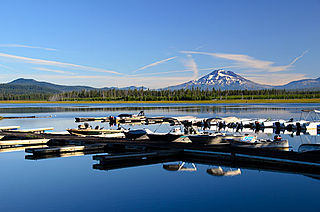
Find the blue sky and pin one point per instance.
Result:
(158, 43)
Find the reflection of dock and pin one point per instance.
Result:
(117, 161)
(232, 159)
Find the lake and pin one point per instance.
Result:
(72, 184)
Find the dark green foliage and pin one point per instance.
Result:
(180, 95)
(35, 92)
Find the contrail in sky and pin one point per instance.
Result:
(56, 63)
(154, 64)
(26, 46)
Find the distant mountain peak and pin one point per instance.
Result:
(22, 80)
(221, 79)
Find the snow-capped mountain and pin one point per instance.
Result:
(223, 80)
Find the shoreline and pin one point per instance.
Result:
(237, 101)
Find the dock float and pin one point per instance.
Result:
(20, 148)
(125, 160)
(23, 142)
(65, 149)
(37, 130)
(9, 128)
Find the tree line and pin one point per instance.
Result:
(180, 95)
(195, 94)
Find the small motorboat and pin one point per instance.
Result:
(93, 131)
(88, 130)
(277, 143)
(165, 137)
(211, 138)
(129, 118)
(309, 148)
(135, 134)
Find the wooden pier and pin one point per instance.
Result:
(126, 153)
(23, 142)
(65, 149)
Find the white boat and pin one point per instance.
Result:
(309, 147)
(171, 136)
(214, 138)
(262, 143)
(313, 126)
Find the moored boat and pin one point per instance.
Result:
(135, 134)
(93, 131)
(165, 137)
(262, 143)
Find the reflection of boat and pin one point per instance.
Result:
(87, 119)
(128, 118)
(313, 126)
(165, 137)
(179, 167)
(1, 136)
(309, 147)
(220, 172)
(135, 134)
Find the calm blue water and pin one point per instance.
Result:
(71, 183)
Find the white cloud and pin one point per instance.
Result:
(245, 61)
(154, 64)
(26, 46)
(56, 63)
(274, 78)
(159, 73)
(52, 70)
(191, 64)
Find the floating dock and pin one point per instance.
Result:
(37, 130)
(9, 128)
(23, 142)
(65, 149)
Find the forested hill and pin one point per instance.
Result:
(47, 85)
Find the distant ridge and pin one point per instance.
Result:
(58, 88)
(305, 84)
(22, 86)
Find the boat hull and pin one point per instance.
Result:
(165, 138)
(92, 131)
(258, 144)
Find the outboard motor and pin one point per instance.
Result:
(299, 127)
(277, 125)
(257, 125)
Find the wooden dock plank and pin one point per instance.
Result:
(64, 149)
(23, 142)
(9, 127)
